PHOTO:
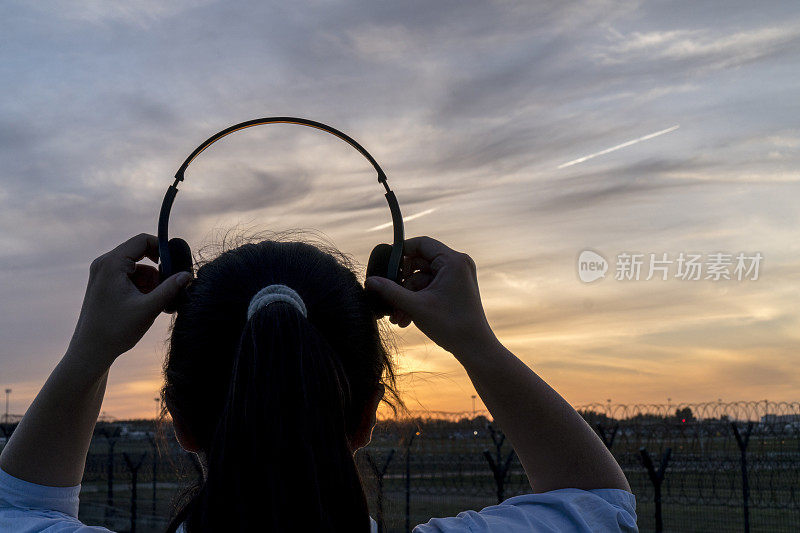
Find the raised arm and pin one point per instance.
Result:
(122, 300)
(556, 447)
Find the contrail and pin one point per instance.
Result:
(617, 147)
(405, 219)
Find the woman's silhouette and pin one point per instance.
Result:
(274, 373)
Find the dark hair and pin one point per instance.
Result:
(274, 401)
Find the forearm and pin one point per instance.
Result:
(440, 294)
(50, 444)
(123, 298)
(556, 447)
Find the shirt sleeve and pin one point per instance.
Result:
(597, 510)
(27, 507)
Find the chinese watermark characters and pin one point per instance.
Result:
(686, 266)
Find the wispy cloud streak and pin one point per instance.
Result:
(405, 219)
(618, 147)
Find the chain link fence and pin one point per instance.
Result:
(693, 467)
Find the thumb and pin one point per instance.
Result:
(393, 293)
(167, 290)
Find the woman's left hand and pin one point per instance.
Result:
(123, 298)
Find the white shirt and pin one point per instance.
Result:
(29, 508)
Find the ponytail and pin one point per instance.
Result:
(280, 459)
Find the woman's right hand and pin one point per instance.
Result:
(439, 294)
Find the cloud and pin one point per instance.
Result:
(141, 13)
(707, 47)
(469, 108)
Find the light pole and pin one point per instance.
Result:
(158, 407)
(473, 405)
(8, 393)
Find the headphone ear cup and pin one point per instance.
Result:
(378, 265)
(181, 256)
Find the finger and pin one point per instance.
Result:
(418, 263)
(402, 317)
(404, 323)
(145, 277)
(405, 267)
(129, 265)
(418, 281)
(394, 294)
(425, 247)
(438, 263)
(395, 316)
(166, 291)
(414, 264)
(135, 248)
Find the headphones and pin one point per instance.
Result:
(176, 256)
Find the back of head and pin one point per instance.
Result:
(274, 401)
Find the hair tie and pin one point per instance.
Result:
(275, 293)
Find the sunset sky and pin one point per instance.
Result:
(506, 127)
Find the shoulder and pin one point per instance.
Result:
(34, 521)
(27, 507)
(558, 510)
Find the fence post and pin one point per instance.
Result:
(134, 468)
(656, 477)
(499, 467)
(8, 429)
(111, 439)
(379, 473)
(414, 433)
(151, 437)
(607, 438)
(742, 442)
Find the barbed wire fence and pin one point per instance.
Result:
(692, 467)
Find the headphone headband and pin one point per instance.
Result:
(166, 266)
(281, 120)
